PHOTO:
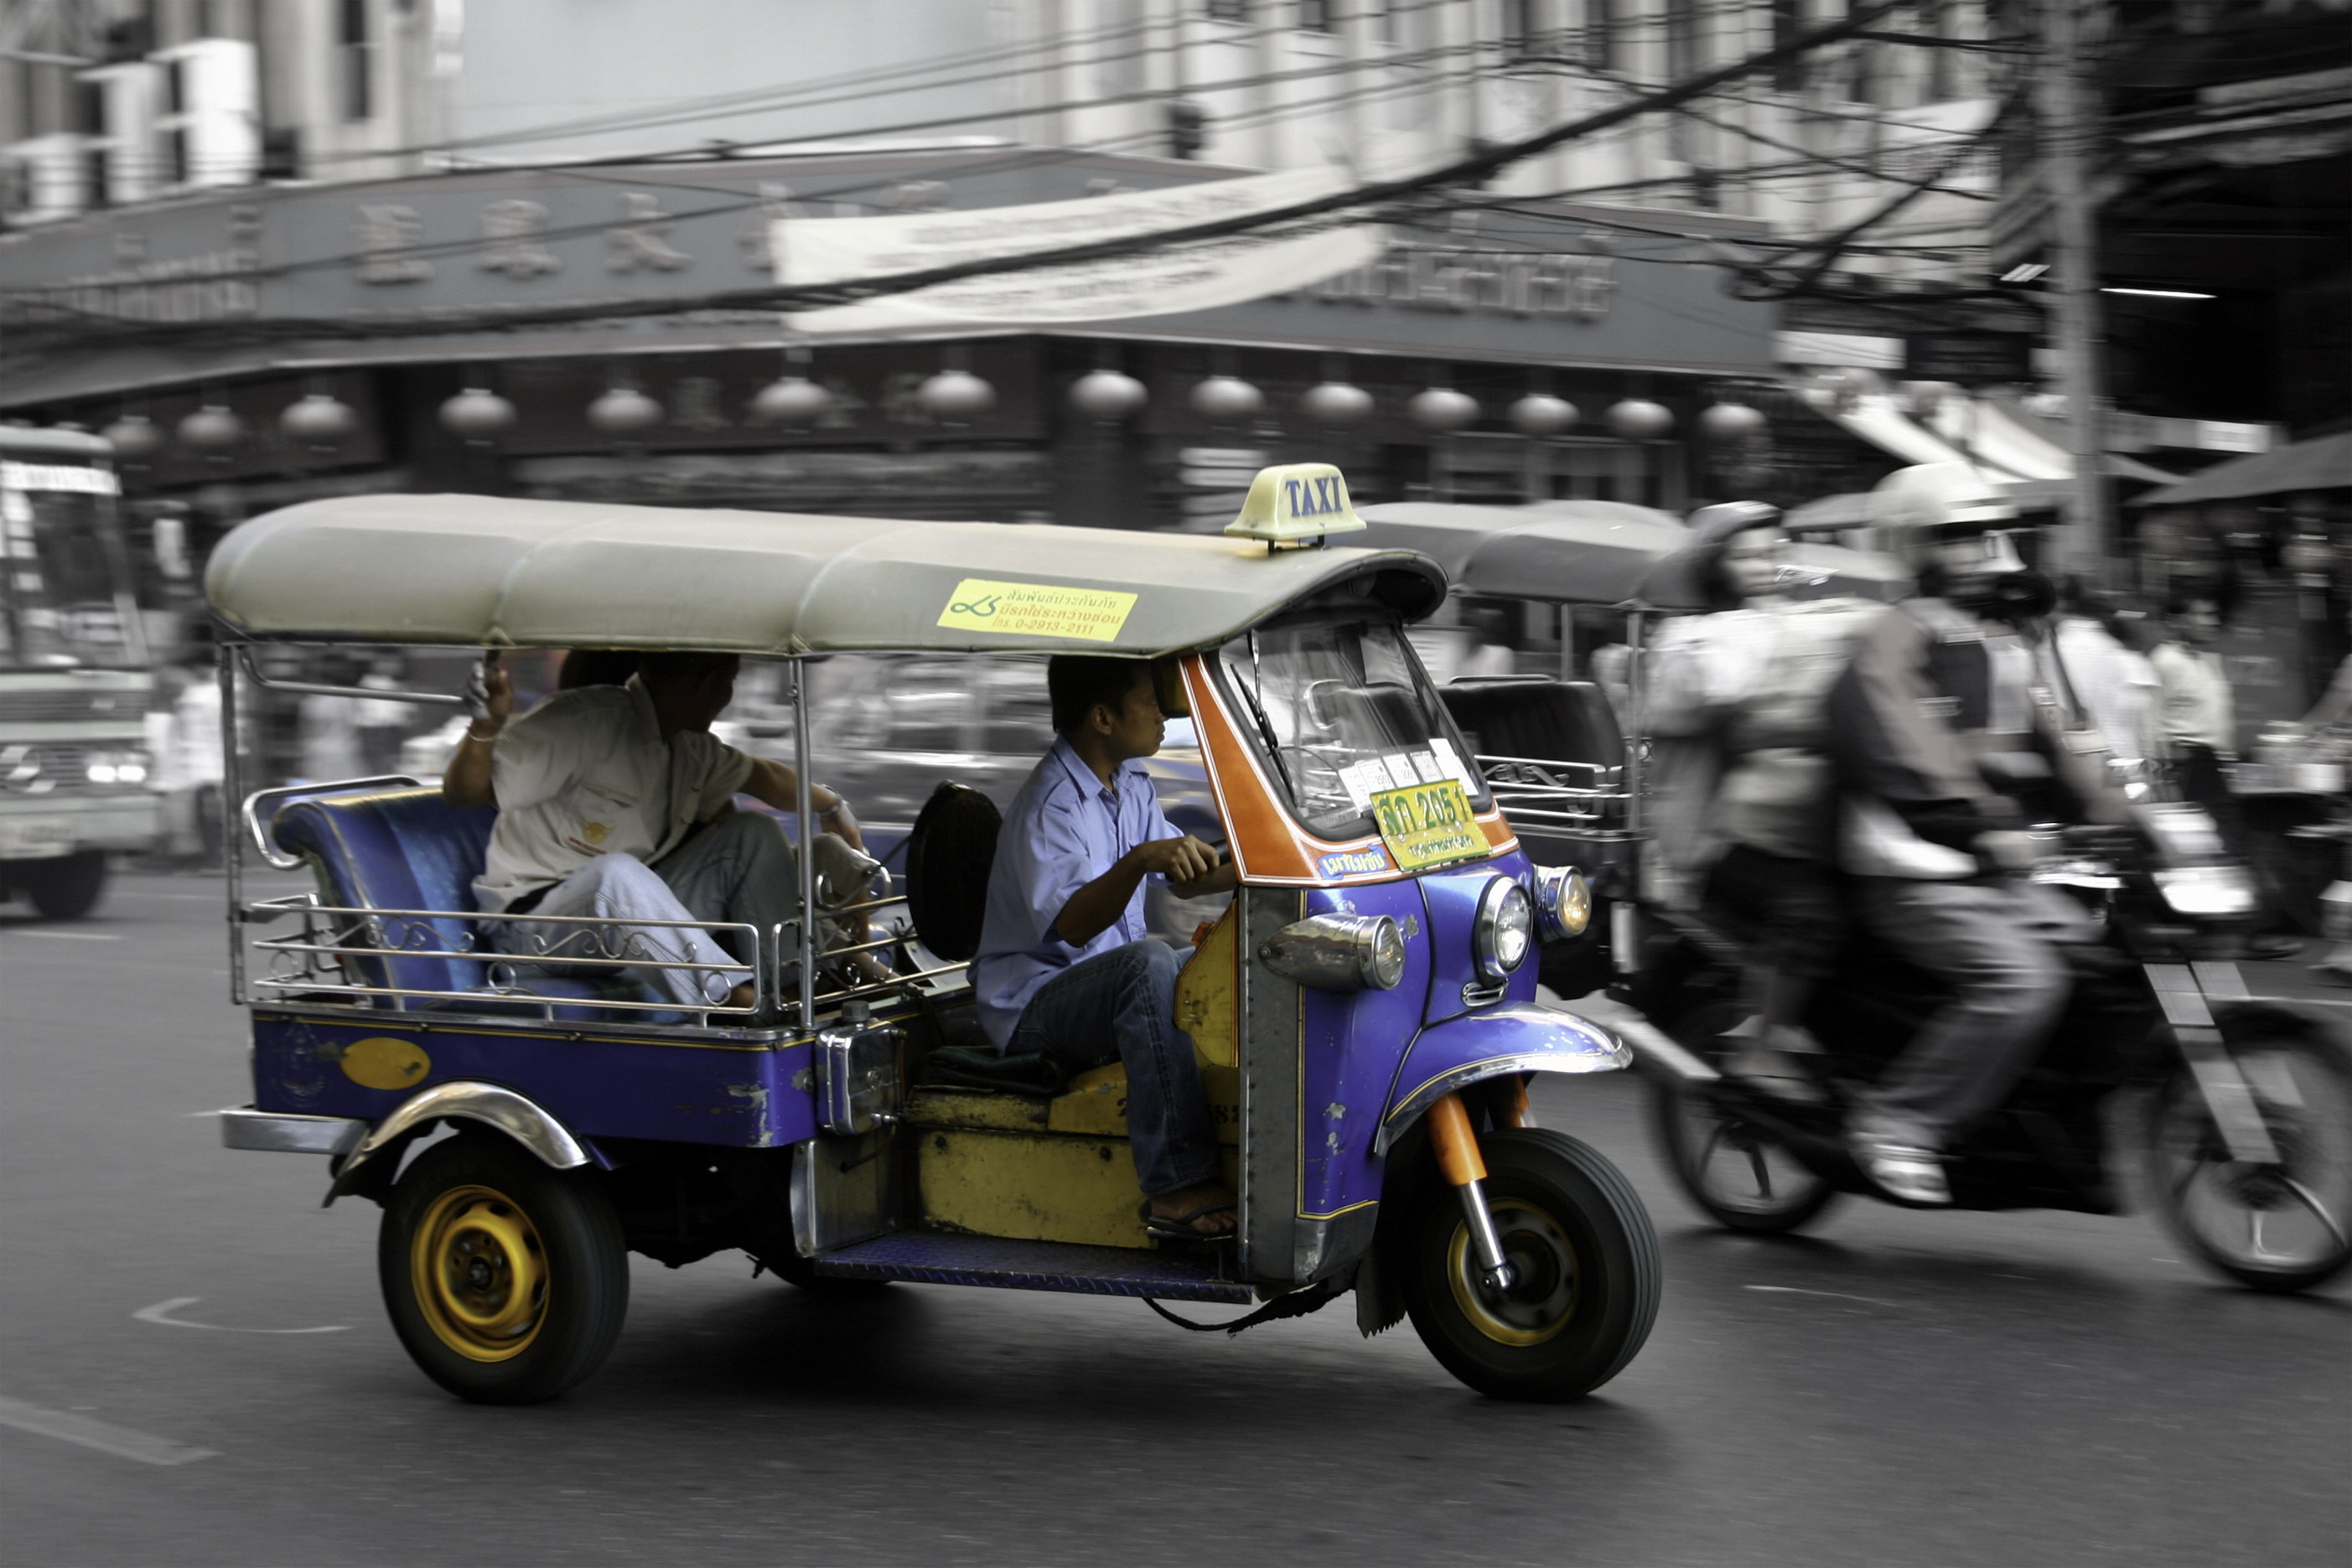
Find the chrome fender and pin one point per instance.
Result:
(519, 1117)
(1523, 1038)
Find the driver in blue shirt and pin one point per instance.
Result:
(1065, 968)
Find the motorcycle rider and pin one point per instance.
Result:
(1941, 695)
(1745, 817)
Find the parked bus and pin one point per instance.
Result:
(76, 680)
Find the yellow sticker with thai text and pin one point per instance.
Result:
(1037, 610)
(1427, 825)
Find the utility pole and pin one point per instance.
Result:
(2069, 131)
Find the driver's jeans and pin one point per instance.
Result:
(2010, 987)
(1120, 1006)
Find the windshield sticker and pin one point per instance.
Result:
(1425, 768)
(1429, 825)
(1358, 781)
(1352, 862)
(1037, 610)
(1450, 761)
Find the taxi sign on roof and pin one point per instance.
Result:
(1294, 502)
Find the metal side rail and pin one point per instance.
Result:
(942, 1260)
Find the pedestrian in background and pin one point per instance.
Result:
(2199, 717)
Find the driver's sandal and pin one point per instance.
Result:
(1179, 1227)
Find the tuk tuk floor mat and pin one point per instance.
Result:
(941, 1259)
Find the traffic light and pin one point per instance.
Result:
(1187, 128)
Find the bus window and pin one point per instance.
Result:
(63, 585)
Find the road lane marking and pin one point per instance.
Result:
(65, 936)
(104, 1436)
(1832, 1295)
(161, 1314)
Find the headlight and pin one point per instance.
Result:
(2209, 892)
(1505, 930)
(1563, 902)
(1338, 952)
(116, 767)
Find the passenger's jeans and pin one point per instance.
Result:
(1120, 1006)
(2012, 986)
(739, 868)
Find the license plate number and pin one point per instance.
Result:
(36, 838)
(1427, 825)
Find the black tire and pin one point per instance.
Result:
(1587, 1260)
(544, 1285)
(66, 888)
(2231, 1213)
(801, 1274)
(1734, 1172)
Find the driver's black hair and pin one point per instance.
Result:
(1076, 682)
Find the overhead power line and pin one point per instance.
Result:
(1351, 205)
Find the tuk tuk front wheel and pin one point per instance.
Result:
(1584, 1259)
(506, 1281)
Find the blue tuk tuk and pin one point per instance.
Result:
(1363, 1012)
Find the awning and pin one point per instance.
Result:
(2002, 442)
(2321, 464)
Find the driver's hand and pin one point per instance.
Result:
(1178, 859)
(489, 696)
(2007, 848)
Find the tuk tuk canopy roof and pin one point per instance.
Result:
(489, 573)
(1597, 552)
(1577, 552)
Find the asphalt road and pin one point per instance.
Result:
(1897, 1389)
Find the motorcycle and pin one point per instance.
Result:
(2238, 1110)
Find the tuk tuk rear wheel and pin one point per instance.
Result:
(507, 1281)
(1586, 1261)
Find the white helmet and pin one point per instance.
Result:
(1929, 503)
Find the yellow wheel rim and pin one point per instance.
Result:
(479, 1273)
(1543, 1294)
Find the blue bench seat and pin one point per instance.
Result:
(408, 849)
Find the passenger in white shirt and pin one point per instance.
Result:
(616, 802)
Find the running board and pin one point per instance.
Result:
(938, 1259)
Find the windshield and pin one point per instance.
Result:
(1346, 712)
(63, 589)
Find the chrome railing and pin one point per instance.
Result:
(326, 961)
(1586, 798)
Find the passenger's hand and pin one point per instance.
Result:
(2007, 848)
(1178, 859)
(489, 696)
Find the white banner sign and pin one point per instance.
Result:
(1200, 276)
(1152, 283)
(811, 251)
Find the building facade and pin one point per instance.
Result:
(232, 229)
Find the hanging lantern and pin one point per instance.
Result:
(1540, 413)
(792, 401)
(212, 428)
(1730, 421)
(1226, 400)
(1107, 395)
(1639, 419)
(956, 395)
(477, 414)
(318, 420)
(1443, 408)
(133, 437)
(624, 411)
(1337, 405)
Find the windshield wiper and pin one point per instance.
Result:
(1264, 725)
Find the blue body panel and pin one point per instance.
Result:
(598, 1087)
(1357, 1045)
(1489, 1042)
